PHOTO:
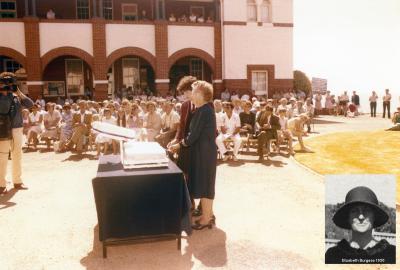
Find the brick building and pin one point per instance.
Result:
(63, 47)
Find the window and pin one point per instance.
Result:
(129, 12)
(251, 11)
(82, 9)
(8, 9)
(11, 65)
(196, 68)
(198, 11)
(74, 76)
(130, 72)
(54, 88)
(259, 82)
(265, 12)
(108, 9)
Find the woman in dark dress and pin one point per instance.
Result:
(203, 152)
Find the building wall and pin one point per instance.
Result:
(246, 46)
(54, 35)
(236, 10)
(130, 35)
(282, 11)
(258, 45)
(13, 36)
(181, 37)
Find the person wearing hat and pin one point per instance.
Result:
(361, 213)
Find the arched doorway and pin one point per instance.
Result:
(67, 76)
(131, 71)
(129, 76)
(194, 62)
(9, 64)
(193, 66)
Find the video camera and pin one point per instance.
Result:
(9, 82)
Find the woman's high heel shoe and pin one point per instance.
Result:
(198, 226)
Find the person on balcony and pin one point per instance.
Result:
(193, 18)
(50, 15)
(183, 18)
(172, 18)
(143, 16)
(200, 19)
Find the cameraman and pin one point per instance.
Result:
(12, 100)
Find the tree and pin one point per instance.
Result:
(302, 82)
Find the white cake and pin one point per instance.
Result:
(143, 155)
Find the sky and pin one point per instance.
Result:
(355, 44)
(337, 186)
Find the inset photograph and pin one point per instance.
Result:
(360, 219)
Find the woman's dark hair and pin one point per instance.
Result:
(185, 84)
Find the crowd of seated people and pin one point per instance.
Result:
(68, 126)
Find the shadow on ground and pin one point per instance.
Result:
(79, 157)
(318, 121)
(207, 246)
(5, 199)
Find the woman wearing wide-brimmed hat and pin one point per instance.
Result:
(361, 213)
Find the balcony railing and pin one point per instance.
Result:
(142, 11)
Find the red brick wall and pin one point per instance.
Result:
(244, 85)
(162, 68)
(218, 87)
(99, 56)
(33, 63)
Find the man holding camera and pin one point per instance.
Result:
(11, 137)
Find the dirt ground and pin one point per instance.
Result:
(269, 216)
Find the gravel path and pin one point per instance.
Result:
(269, 216)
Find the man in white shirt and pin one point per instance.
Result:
(40, 101)
(234, 96)
(193, 18)
(169, 125)
(219, 113)
(386, 103)
(225, 96)
(229, 130)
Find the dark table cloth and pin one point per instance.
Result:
(141, 202)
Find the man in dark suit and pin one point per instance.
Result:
(268, 124)
(355, 99)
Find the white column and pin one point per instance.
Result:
(259, 2)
